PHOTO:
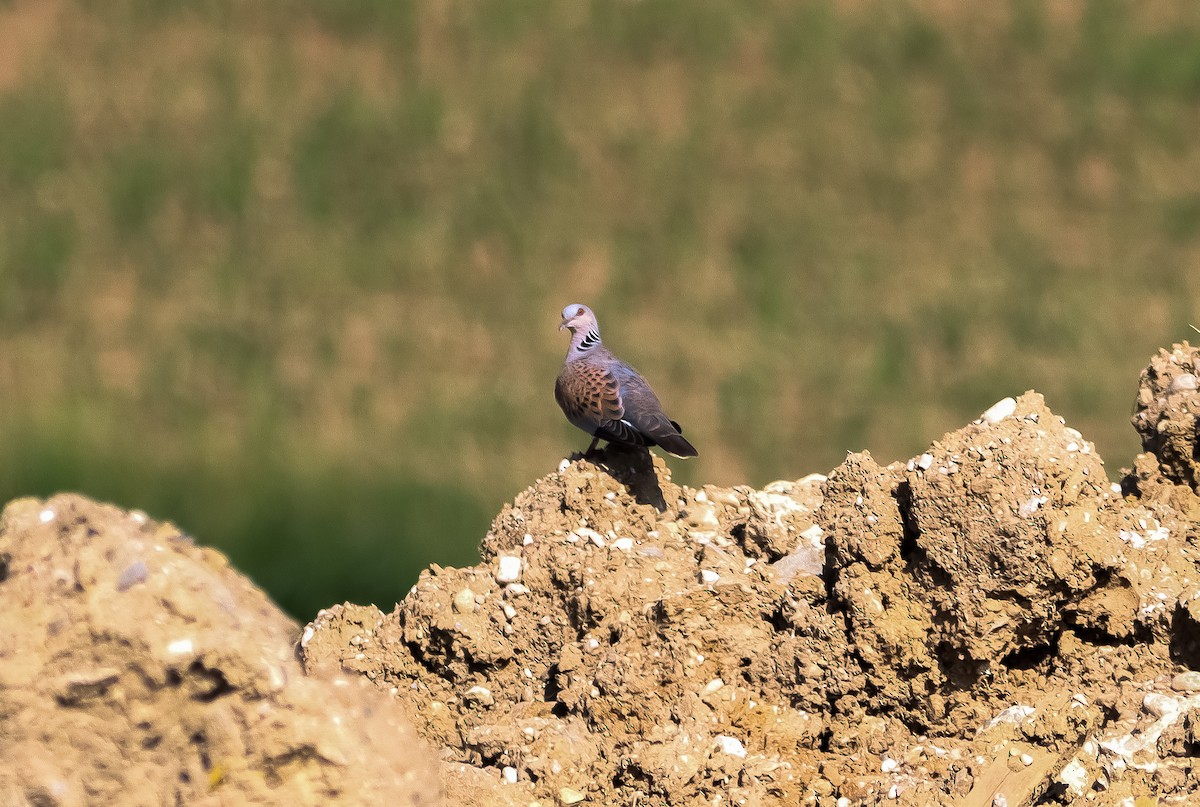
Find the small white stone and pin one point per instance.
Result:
(730, 745)
(894, 792)
(1075, 776)
(925, 462)
(1026, 760)
(564, 465)
(464, 601)
(46, 515)
(526, 540)
(1187, 381)
(569, 795)
(1030, 506)
(712, 686)
(999, 410)
(515, 588)
(623, 544)
(888, 765)
(508, 569)
(1186, 682)
(510, 613)
(479, 694)
(509, 774)
(308, 634)
(1160, 705)
(709, 577)
(180, 647)
(1015, 714)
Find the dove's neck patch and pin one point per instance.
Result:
(582, 345)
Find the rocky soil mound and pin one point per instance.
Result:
(993, 622)
(139, 669)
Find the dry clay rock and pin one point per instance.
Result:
(909, 633)
(139, 669)
(1168, 405)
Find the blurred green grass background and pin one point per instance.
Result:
(289, 274)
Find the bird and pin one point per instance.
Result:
(607, 398)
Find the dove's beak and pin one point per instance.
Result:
(563, 327)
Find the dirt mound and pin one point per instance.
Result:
(995, 621)
(139, 669)
(993, 618)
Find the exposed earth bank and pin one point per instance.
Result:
(996, 621)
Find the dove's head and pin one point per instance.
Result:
(579, 319)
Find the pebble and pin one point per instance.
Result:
(510, 774)
(999, 410)
(464, 601)
(623, 544)
(703, 517)
(731, 746)
(1186, 682)
(508, 569)
(888, 765)
(1160, 705)
(1075, 776)
(479, 694)
(1187, 381)
(134, 573)
(925, 462)
(569, 795)
(1026, 760)
(1013, 714)
(708, 577)
(712, 686)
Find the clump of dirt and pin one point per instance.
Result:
(993, 618)
(1168, 405)
(138, 668)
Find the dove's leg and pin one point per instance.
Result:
(592, 448)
